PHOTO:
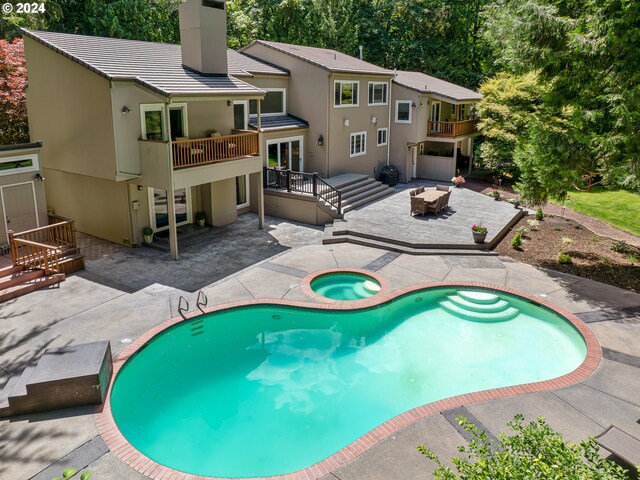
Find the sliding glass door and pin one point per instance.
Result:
(285, 153)
(160, 211)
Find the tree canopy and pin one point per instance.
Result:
(13, 106)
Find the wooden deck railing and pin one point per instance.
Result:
(451, 129)
(202, 151)
(40, 248)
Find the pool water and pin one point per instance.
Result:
(266, 390)
(345, 286)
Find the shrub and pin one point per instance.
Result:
(605, 260)
(70, 472)
(522, 230)
(622, 247)
(595, 239)
(567, 241)
(516, 241)
(535, 451)
(539, 214)
(633, 257)
(534, 224)
(564, 258)
(557, 229)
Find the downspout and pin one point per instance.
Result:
(389, 124)
(329, 110)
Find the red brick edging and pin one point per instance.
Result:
(119, 445)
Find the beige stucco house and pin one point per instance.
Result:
(22, 197)
(432, 127)
(124, 122)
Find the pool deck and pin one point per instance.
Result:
(114, 300)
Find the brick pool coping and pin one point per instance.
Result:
(127, 453)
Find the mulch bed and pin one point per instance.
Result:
(591, 255)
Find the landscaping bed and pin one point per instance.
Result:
(585, 254)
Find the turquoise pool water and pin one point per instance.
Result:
(345, 286)
(267, 390)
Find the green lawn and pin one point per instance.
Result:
(620, 208)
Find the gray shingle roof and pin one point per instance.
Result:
(424, 83)
(278, 122)
(331, 60)
(157, 66)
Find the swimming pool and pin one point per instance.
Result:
(345, 285)
(269, 389)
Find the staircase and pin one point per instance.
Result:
(16, 281)
(359, 190)
(479, 307)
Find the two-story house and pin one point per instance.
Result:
(130, 125)
(432, 126)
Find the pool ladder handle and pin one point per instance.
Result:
(183, 306)
(201, 301)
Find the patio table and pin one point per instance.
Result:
(431, 196)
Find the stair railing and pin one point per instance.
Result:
(201, 301)
(305, 183)
(34, 255)
(183, 306)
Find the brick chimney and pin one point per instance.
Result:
(203, 36)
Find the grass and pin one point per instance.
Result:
(619, 208)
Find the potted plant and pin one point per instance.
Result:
(200, 218)
(458, 180)
(479, 232)
(148, 235)
(516, 201)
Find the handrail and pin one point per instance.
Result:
(57, 235)
(35, 255)
(203, 151)
(201, 301)
(306, 183)
(451, 129)
(181, 308)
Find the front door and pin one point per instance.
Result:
(19, 206)
(435, 117)
(160, 211)
(285, 153)
(240, 115)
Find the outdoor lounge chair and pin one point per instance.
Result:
(621, 444)
(418, 205)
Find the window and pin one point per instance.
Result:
(274, 103)
(377, 93)
(346, 94)
(19, 164)
(382, 136)
(242, 191)
(403, 111)
(152, 122)
(240, 115)
(453, 112)
(358, 144)
(178, 120)
(463, 112)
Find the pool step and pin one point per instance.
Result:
(501, 316)
(478, 297)
(497, 306)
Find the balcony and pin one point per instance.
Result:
(451, 129)
(204, 151)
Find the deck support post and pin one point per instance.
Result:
(260, 176)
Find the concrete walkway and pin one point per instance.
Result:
(87, 307)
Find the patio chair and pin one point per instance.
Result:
(621, 444)
(445, 203)
(443, 188)
(421, 190)
(413, 193)
(418, 205)
(437, 207)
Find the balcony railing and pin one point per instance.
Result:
(451, 129)
(203, 151)
(306, 183)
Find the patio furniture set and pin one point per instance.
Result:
(427, 201)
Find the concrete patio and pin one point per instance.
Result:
(122, 295)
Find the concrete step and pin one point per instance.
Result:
(18, 389)
(366, 200)
(488, 317)
(6, 391)
(19, 277)
(30, 286)
(347, 183)
(331, 239)
(357, 185)
(359, 194)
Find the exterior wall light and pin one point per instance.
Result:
(320, 140)
(346, 122)
(374, 120)
(126, 110)
(38, 178)
(413, 105)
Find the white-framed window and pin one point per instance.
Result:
(378, 93)
(382, 136)
(403, 111)
(242, 191)
(19, 164)
(240, 114)
(358, 144)
(178, 124)
(286, 153)
(346, 93)
(274, 103)
(152, 121)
